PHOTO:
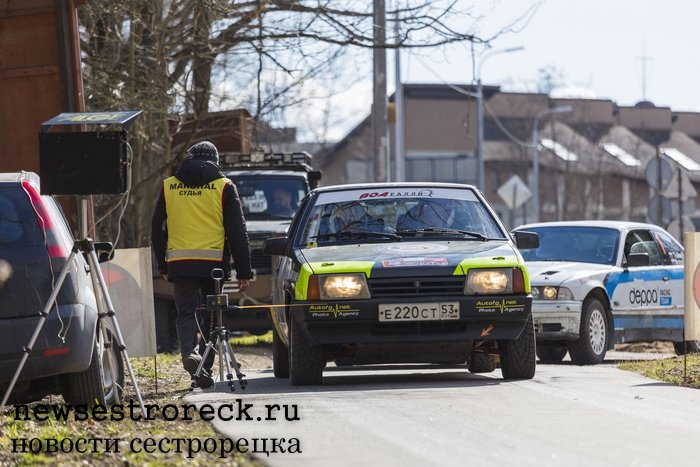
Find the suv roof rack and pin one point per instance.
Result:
(259, 160)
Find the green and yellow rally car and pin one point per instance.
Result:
(400, 273)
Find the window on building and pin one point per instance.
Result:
(441, 168)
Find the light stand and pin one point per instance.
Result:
(85, 163)
(219, 337)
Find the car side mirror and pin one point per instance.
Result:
(104, 251)
(275, 246)
(526, 240)
(637, 259)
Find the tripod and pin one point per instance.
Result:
(87, 247)
(219, 336)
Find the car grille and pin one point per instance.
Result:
(416, 286)
(260, 261)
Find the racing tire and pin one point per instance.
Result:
(306, 360)
(280, 356)
(551, 353)
(682, 348)
(480, 362)
(97, 385)
(592, 344)
(518, 355)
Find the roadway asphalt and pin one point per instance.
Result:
(427, 415)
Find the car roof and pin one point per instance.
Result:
(617, 225)
(266, 173)
(16, 177)
(389, 185)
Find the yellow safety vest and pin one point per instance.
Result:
(195, 220)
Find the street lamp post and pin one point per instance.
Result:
(536, 154)
(480, 174)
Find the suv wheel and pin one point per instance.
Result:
(280, 356)
(518, 355)
(592, 344)
(306, 361)
(103, 381)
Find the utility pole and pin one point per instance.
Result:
(379, 111)
(398, 102)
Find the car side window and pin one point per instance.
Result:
(671, 251)
(641, 241)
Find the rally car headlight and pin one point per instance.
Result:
(343, 286)
(549, 292)
(489, 281)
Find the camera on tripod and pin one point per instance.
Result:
(219, 336)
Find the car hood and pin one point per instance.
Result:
(559, 272)
(410, 257)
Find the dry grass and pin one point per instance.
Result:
(671, 370)
(171, 384)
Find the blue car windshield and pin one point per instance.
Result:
(574, 243)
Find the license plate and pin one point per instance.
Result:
(434, 311)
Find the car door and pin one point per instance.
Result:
(671, 295)
(635, 290)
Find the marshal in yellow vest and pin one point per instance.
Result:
(195, 220)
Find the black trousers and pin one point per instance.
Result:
(190, 293)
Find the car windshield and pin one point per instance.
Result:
(269, 198)
(573, 243)
(399, 215)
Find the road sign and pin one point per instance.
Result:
(514, 192)
(659, 205)
(687, 206)
(658, 170)
(686, 190)
(674, 228)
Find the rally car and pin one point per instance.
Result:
(598, 283)
(400, 273)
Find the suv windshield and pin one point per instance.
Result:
(447, 213)
(269, 198)
(577, 244)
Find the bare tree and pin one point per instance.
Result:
(174, 58)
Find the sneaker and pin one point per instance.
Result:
(191, 363)
(204, 380)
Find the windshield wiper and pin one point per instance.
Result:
(357, 233)
(435, 230)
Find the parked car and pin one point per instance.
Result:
(399, 273)
(69, 357)
(598, 283)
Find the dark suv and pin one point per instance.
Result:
(69, 357)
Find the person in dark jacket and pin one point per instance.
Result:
(197, 225)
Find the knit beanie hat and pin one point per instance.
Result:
(204, 150)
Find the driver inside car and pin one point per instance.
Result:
(349, 217)
(426, 215)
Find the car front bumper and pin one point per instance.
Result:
(357, 321)
(556, 320)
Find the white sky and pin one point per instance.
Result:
(596, 46)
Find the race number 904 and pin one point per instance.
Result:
(643, 297)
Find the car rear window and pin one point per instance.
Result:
(18, 224)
